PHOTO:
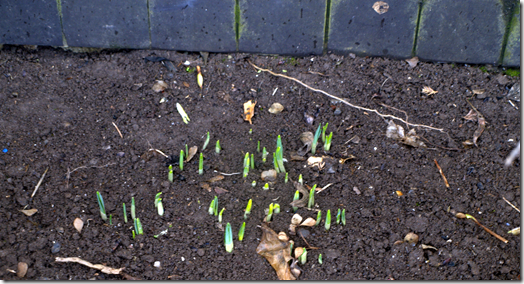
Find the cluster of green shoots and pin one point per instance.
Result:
(273, 208)
(325, 139)
(228, 233)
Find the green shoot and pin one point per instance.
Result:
(110, 219)
(315, 141)
(241, 231)
(264, 154)
(276, 208)
(275, 163)
(311, 201)
(254, 183)
(228, 238)
(217, 147)
(266, 186)
(170, 174)
(133, 215)
(211, 209)
(339, 212)
(324, 132)
(250, 130)
(201, 164)
(319, 217)
(186, 153)
(270, 213)
(215, 206)
(303, 257)
(181, 160)
(290, 246)
(133, 234)
(286, 178)
(328, 220)
(125, 212)
(258, 146)
(138, 227)
(295, 198)
(280, 160)
(220, 215)
(206, 142)
(300, 180)
(246, 165)
(252, 161)
(248, 208)
(158, 204)
(101, 205)
(343, 217)
(327, 144)
(279, 142)
(182, 113)
(320, 258)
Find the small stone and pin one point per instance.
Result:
(276, 108)
(157, 264)
(120, 154)
(337, 111)
(60, 230)
(269, 175)
(201, 252)
(56, 248)
(303, 232)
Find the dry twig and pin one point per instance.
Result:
(345, 102)
(514, 207)
(39, 183)
(462, 216)
(117, 130)
(441, 173)
(101, 267)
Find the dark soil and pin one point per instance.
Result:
(58, 108)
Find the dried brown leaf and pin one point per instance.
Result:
(205, 186)
(186, 84)
(78, 224)
(296, 219)
(428, 247)
(429, 91)
(472, 115)
(283, 237)
(21, 269)
(478, 92)
(381, 7)
(191, 153)
(480, 129)
(276, 252)
(307, 139)
(309, 222)
(305, 195)
(295, 270)
(215, 179)
(159, 86)
(412, 62)
(397, 132)
(220, 190)
(249, 110)
(29, 212)
(299, 251)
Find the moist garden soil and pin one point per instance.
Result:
(60, 111)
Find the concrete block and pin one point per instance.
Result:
(290, 27)
(465, 31)
(355, 27)
(106, 23)
(193, 25)
(30, 22)
(512, 52)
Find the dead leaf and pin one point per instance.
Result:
(428, 247)
(478, 92)
(309, 222)
(159, 86)
(186, 84)
(397, 132)
(78, 224)
(399, 193)
(295, 269)
(299, 251)
(220, 190)
(22, 269)
(381, 7)
(412, 62)
(295, 221)
(429, 91)
(249, 110)
(29, 212)
(472, 115)
(205, 186)
(276, 252)
(191, 153)
(480, 129)
(305, 195)
(283, 237)
(307, 139)
(215, 179)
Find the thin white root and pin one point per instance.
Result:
(103, 268)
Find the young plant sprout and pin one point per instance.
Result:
(220, 215)
(324, 132)
(241, 231)
(280, 160)
(343, 217)
(300, 180)
(200, 78)
(311, 201)
(270, 213)
(158, 204)
(125, 212)
(315, 141)
(213, 207)
(266, 186)
(181, 160)
(319, 217)
(275, 163)
(201, 164)
(264, 154)
(228, 238)
(217, 147)
(170, 174)
(328, 220)
(110, 219)
(339, 212)
(248, 208)
(133, 231)
(186, 153)
(258, 146)
(250, 130)
(206, 142)
(133, 216)
(252, 161)
(254, 183)
(320, 258)
(286, 178)
(303, 257)
(101, 205)
(138, 226)
(295, 198)
(246, 165)
(276, 208)
(327, 144)
(182, 113)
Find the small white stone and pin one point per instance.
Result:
(156, 264)
(182, 258)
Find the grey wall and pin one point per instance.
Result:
(465, 31)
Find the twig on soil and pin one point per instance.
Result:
(160, 152)
(39, 183)
(322, 189)
(114, 124)
(514, 207)
(345, 102)
(462, 216)
(68, 176)
(441, 173)
(102, 268)
(226, 174)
